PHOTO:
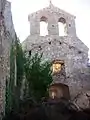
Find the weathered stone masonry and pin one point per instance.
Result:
(7, 34)
(68, 48)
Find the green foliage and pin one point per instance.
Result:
(32, 71)
(10, 83)
(38, 76)
(13, 91)
(20, 63)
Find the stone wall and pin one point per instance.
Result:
(68, 48)
(7, 35)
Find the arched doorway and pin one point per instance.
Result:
(59, 90)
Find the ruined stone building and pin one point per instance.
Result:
(7, 35)
(68, 54)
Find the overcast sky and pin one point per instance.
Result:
(80, 8)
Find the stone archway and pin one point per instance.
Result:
(59, 90)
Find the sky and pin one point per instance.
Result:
(80, 8)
